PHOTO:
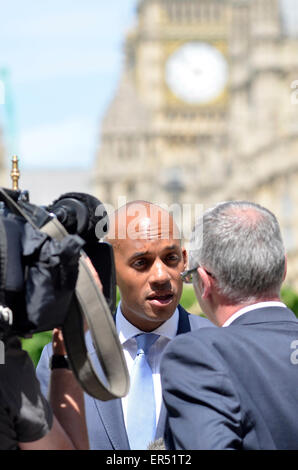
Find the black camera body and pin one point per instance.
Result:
(38, 274)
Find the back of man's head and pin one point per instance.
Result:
(240, 243)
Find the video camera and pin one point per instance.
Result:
(39, 274)
(46, 282)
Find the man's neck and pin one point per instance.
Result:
(225, 310)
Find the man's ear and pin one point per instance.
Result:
(205, 281)
(185, 257)
(286, 267)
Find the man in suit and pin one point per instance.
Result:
(149, 259)
(235, 387)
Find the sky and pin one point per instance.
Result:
(64, 59)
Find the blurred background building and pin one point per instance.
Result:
(206, 110)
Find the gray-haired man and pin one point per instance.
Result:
(235, 387)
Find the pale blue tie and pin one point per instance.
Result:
(141, 420)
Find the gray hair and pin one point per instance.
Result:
(240, 243)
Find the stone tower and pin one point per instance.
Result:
(206, 110)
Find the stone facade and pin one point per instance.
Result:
(241, 144)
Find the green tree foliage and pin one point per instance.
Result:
(290, 298)
(189, 301)
(35, 345)
(188, 298)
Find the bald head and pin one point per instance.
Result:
(141, 220)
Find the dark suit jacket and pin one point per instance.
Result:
(105, 421)
(234, 387)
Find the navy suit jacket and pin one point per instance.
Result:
(234, 387)
(105, 421)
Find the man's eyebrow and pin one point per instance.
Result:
(171, 247)
(138, 254)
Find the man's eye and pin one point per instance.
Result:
(140, 263)
(173, 257)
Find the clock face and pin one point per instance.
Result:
(197, 73)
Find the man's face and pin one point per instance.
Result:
(148, 276)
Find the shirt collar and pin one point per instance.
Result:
(252, 307)
(127, 331)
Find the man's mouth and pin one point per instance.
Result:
(160, 299)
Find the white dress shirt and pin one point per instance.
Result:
(243, 310)
(166, 332)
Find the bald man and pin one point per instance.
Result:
(149, 260)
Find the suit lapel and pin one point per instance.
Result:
(110, 411)
(160, 429)
(112, 417)
(183, 324)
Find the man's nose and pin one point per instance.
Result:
(159, 273)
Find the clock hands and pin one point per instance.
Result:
(193, 68)
(196, 73)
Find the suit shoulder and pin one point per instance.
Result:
(198, 337)
(197, 321)
(211, 338)
(195, 349)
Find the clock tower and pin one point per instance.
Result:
(168, 121)
(207, 110)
